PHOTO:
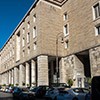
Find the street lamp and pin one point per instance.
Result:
(62, 41)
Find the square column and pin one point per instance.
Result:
(12, 76)
(33, 73)
(1, 79)
(27, 74)
(9, 76)
(21, 75)
(16, 76)
(42, 62)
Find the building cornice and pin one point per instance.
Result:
(57, 2)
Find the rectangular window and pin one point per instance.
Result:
(28, 50)
(35, 45)
(28, 24)
(34, 32)
(96, 10)
(97, 29)
(28, 37)
(23, 53)
(23, 42)
(34, 17)
(23, 30)
(65, 16)
(66, 44)
(66, 30)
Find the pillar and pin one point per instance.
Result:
(42, 63)
(12, 76)
(27, 74)
(16, 75)
(21, 75)
(33, 73)
(9, 77)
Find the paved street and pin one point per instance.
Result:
(8, 96)
(5, 96)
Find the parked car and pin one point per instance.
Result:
(95, 88)
(24, 94)
(65, 85)
(88, 96)
(9, 89)
(51, 93)
(73, 94)
(17, 92)
(38, 91)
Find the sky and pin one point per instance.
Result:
(11, 13)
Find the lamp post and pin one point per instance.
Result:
(57, 67)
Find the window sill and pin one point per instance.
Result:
(96, 19)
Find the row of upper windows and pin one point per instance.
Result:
(28, 50)
(28, 23)
(28, 36)
(96, 15)
(66, 30)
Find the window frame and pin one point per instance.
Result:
(65, 16)
(97, 30)
(95, 15)
(28, 37)
(66, 29)
(34, 32)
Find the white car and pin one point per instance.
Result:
(73, 94)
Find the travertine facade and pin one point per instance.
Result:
(30, 54)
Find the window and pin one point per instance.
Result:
(23, 53)
(23, 42)
(34, 32)
(96, 10)
(28, 50)
(65, 16)
(34, 17)
(97, 29)
(35, 45)
(23, 30)
(28, 24)
(66, 44)
(66, 30)
(28, 37)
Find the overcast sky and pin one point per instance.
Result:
(11, 13)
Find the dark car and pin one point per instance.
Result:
(16, 92)
(73, 94)
(95, 88)
(88, 96)
(51, 93)
(24, 94)
(38, 91)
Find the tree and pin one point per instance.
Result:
(70, 82)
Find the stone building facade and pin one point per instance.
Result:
(34, 53)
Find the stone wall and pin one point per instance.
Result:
(95, 61)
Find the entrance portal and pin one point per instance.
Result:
(84, 58)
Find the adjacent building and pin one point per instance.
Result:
(57, 40)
